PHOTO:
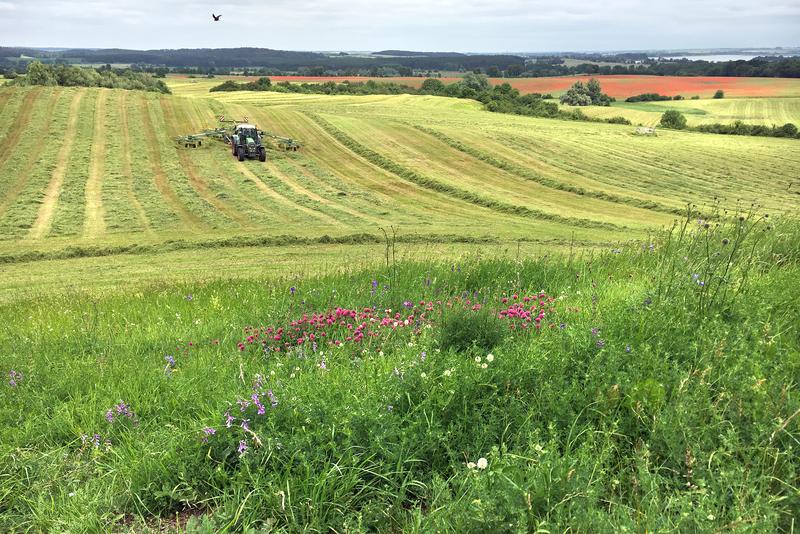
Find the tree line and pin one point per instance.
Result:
(73, 76)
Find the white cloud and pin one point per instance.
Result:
(465, 25)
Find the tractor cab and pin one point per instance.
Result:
(246, 142)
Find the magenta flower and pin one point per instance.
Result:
(242, 447)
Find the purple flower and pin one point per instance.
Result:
(208, 431)
(15, 377)
(601, 343)
(189, 297)
(322, 365)
(562, 326)
(292, 290)
(423, 355)
(627, 348)
(648, 301)
(595, 331)
(170, 360)
(246, 424)
(110, 415)
(272, 398)
(408, 304)
(229, 419)
(374, 284)
(242, 447)
(243, 404)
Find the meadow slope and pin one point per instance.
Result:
(94, 172)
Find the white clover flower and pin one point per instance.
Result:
(477, 359)
(291, 375)
(380, 353)
(471, 465)
(484, 365)
(483, 463)
(447, 372)
(490, 358)
(423, 375)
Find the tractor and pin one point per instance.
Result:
(246, 143)
(245, 139)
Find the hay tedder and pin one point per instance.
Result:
(245, 139)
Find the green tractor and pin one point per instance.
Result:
(246, 143)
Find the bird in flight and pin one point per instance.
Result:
(216, 17)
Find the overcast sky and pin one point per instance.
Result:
(441, 25)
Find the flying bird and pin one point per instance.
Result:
(216, 17)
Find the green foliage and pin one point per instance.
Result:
(586, 95)
(72, 76)
(719, 94)
(638, 406)
(462, 331)
(673, 119)
(651, 97)
(741, 128)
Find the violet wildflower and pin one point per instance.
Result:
(423, 355)
(110, 415)
(15, 377)
(208, 431)
(245, 424)
(595, 331)
(322, 365)
(627, 348)
(292, 290)
(242, 447)
(601, 343)
(243, 404)
(272, 398)
(229, 419)
(408, 304)
(189, 297)
(562, 326)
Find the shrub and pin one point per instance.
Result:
(462, 330)
(673, 119)
(719, 94)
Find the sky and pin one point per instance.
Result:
(430, 25)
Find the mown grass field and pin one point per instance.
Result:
(92, 172)
(767, 111)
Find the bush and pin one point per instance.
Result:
(464, 330)
(649, 97)
(719, 94)
(673, 119)
(618, 120)
(696, 97)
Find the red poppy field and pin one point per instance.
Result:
(618, 86)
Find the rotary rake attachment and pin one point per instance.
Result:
(240, 134)
(196, 140)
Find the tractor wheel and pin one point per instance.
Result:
(240, 153)
(233, 149)
(262, 154)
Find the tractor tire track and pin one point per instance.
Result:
(32, 158)
(47, 209)
(20, 125)
(160, 179)
(195, 180)
(450, 190)
(127, 167)
(94, 213)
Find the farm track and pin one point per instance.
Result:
(94, 218)
(127, 166)
(44, 217)
(198, 183)
(18, 185)
(159, 178)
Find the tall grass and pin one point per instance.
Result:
(646, 401)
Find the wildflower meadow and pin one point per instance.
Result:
(652, 387)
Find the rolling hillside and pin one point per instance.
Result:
(95, 172)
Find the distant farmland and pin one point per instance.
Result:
(618, 86)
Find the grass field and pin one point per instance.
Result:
(549, 343)
(768, 111)
(94, 172)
